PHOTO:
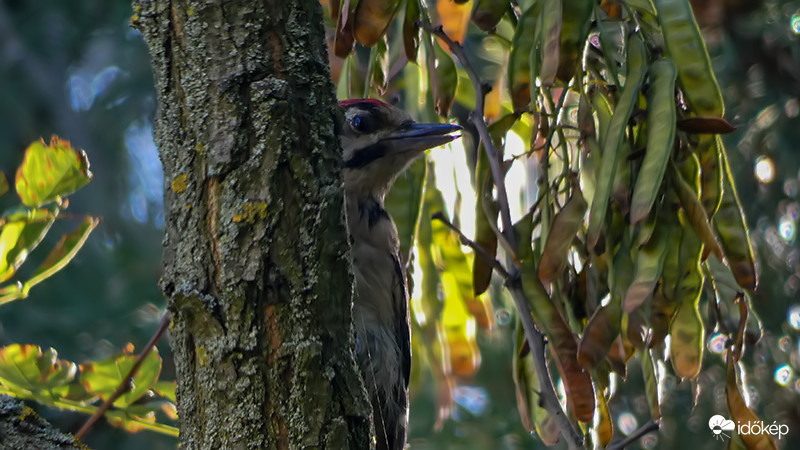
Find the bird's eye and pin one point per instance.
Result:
(362, 123)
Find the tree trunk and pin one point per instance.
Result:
(21, 427)
(256, 262)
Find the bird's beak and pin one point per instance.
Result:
(419, 137)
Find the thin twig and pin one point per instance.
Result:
(556, 113)
(649, 427)
(126, 382)
(480, 251)
(477, 119)
(534, 337)
(501, 239)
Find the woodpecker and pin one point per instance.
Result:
(379, 141)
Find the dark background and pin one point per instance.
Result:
(78, 70)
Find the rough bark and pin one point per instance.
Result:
(256, 262)
(22, 428)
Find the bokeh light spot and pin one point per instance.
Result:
(146, 195)
(795, 22)
(627, 423)
(716, 343)
(794, 317)
(649, 440)
(790, 187)
(783, 375)
(791, 108)
(765, 169)
(784, 343)
(472, 398)
(787, 229)
(502, 316)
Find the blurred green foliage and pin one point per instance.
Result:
(78, 70)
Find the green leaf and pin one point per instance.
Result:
(19, 236)
(73, 392)
(103, 377)
(10, 292)
(3, 183)
(28, 369)
(49, 172)
(62, 253)
(9, 237)
(133, 423)
(166, 389)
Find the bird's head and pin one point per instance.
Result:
(379, 141)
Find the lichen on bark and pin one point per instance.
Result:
(261, 327)
(21, 427)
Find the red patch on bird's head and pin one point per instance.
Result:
(369, 101)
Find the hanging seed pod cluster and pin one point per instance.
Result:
(634, 245)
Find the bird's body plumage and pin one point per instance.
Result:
(379, 141)
(384, 346)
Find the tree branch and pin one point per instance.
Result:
(480, 251)
(648, 427)
(125, 385)
(534, 337)
(477, 119)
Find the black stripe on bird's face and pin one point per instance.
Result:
(410, 137)
(366, 155)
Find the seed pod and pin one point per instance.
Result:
(444, 92)
(486, 210)
(660, 138)
(411, 30)
(708, 149)
(526, 38)
(649, 265)
(575, 21)
(695, 213)
(612, 143)
(732, 231)
(686, 330)
(372, 19)
(563, 344)
(533, 415)
(487, 13)
(344, 40)
(687, 337)
(603, 327)
(686, 47)
(551, 42)
(565, 226)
